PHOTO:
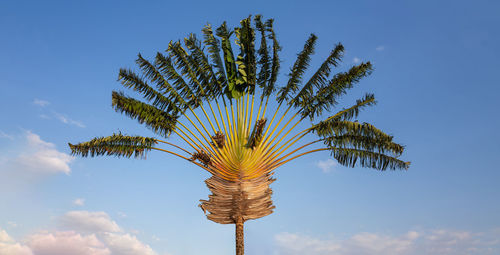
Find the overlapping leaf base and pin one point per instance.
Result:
(238, 200)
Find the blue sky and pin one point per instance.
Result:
(435, 81)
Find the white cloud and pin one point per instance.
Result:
(88, 233)
(12, 224)
(439, 242)
(356, 60)
(42, 157)
(65, 243)
(9, 247)
(85, 221)
(29, 159)
(40, 102)
(126, 244)
(326, 165)
(4, 237)
(64, 119)
(79, 202)
(380, 48)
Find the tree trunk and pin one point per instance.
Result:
(240, 245)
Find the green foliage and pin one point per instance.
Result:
(232, 91)
(130, 80)
(214, 53)
(246, 60)
(353, 111)
(298, 69)
(116, 145)
(184, 62)
(264, 61)
(319, 79)
(164, 87)
(267, 91)
(334, 127)
(193, 72)
(165, 66)
(326, 98)
(202, 66)
(353, 157)
(159, 121)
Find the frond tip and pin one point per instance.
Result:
(379, 161)
(117, 145)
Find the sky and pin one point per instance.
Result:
(435, 81)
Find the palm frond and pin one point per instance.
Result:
(214, 51)
(183, 63)
(326, 97)
(334, 127)
(269, 89)
(264, 61)
(159, 121)
(298, 69)
(131, 80)
(367, 143)
(319, 79)
(153, 73)
(229, 61)
(246, 60)
(204, 69)
(353, 111)
(379, 161)
(166, 67)
(115, 145)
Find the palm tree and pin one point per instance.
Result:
(217, 104)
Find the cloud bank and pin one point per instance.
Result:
(82, 233)
(437, 242)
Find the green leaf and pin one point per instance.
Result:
(115, 145)
(159, 121)
(354, 157)
(298, 69)
(319, 79)
(231, 71)
(326, 97)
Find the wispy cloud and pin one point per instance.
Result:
(356, 60)
(79, 202)
(54, 114)
(380, 48)
(5, 135)
(105, 237)
(64, 119)
(326, 165)
(40, 102)
(442, 241)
